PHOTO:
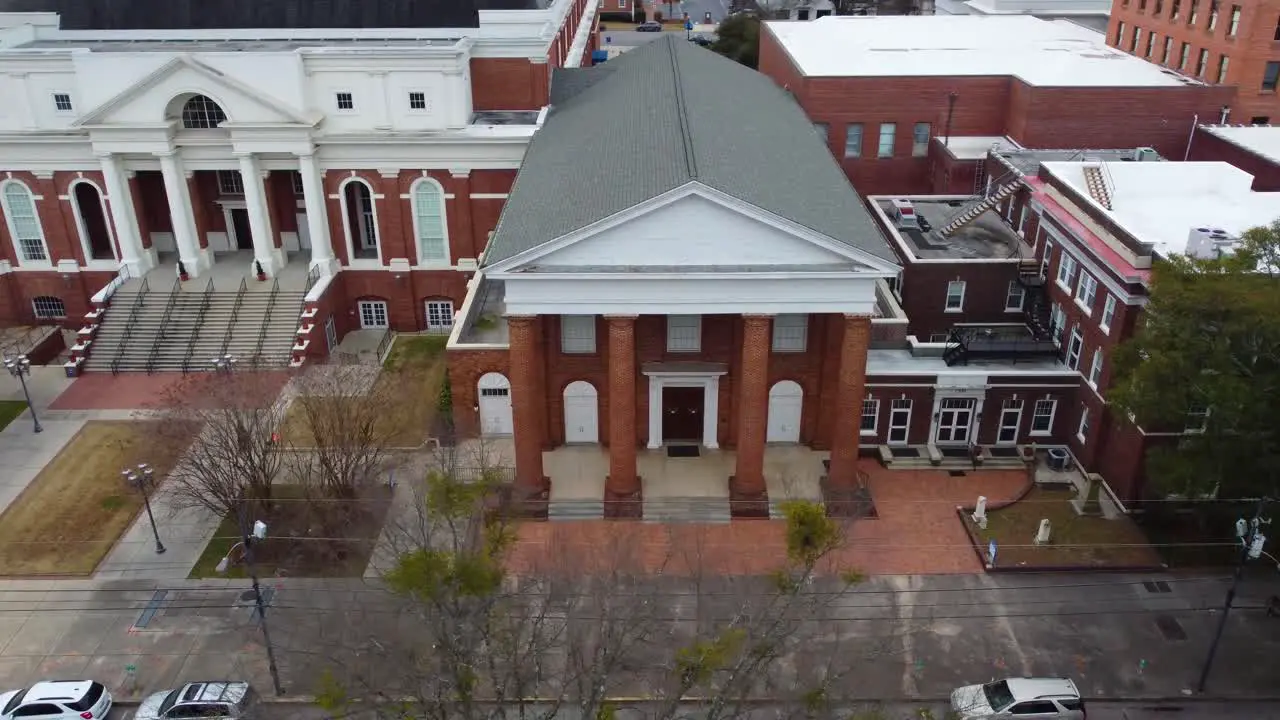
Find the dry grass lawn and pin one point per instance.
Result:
(1075, 541)
(69, 517)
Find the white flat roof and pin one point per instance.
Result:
(1262, 140)
(1040, 52)
(1160, 202)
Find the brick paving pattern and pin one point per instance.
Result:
(126, 391)
(917, 533)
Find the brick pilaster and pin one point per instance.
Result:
(622, 488)
(461, 237)
(753, 408)
(526, 407)
(843, 473)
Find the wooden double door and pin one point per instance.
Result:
(682, 410)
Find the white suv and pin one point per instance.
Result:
(1031, 698)
(57, 700)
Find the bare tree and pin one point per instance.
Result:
(232, 420)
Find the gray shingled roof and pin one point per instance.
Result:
(658, 117)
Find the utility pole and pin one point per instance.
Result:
(1249, 535)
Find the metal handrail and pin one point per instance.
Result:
(313, 277)
(205, 300)
(164, 324)
(387, 337)
(235, 314)
(266, 321)
(129, 325)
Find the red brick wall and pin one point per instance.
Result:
(465, 369)
(1266, 173)
(509, 84)
(924, 293)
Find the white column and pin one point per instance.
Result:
(655, 412)
(184, 222)
(123, 219)
(317, 214)
(711, 414)
(255, 199)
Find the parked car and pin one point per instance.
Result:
(223, 699)
(1040, 698)
(57, 700)
(649, 26)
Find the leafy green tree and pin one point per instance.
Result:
(1206, 356)
(738, 38)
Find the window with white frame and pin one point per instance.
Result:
(1082, 430)
(1108, 314)
(230, 182)
(1095, 370)
(870, 416)
(1014, 296)
(201, 113)
(1197, 418)
(885, 147)
(24, 223)
(853, 140)
(577, 334)
(428, 223)
(1046, 258)
(417, 100)
(684, 333)
(373, 314)
(955, 296)
(62, 102)
(47, 307)
(345, 101)
(1042, 416)
(439, 316)
(920, 139)
(1074, 349)
(1086, 292)
(1057, 323)
(298, 189)
(1066, 271)
(790, 333)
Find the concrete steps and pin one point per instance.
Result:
(701, 510)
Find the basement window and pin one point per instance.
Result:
(48, 308)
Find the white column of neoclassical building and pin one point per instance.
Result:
(317, 213)
(123, 219)
(255, 199)
(184, 222)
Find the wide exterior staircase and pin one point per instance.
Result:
(183, 330)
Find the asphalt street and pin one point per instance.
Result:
(1190, 710)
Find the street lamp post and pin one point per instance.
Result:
(224, 364)
(20, 367)
(1251, 542)
(248, 538)
(143, 478)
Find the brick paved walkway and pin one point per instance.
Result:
(126, 391)
(917, 532)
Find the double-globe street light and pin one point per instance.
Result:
(20, 367)
(143, 478)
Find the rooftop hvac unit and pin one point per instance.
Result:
(1210, 243)
(904, 215)
(1146, 154)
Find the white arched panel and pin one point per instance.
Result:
(581, 413)
(786, 402)
(494, 399)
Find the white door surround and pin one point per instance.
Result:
(1010, 422)
(899, 421)
(786, 406)
(708, 380)
(958, 387)
(581, 413)
(494, 404)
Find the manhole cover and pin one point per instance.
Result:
(248, 595)
(1170, 628)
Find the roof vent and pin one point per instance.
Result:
(904, 215)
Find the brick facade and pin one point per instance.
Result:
(753, 406)
(623, 483)
(1254, 42)
(1207, 146)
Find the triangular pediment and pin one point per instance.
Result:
(699, 229)
(149, 101)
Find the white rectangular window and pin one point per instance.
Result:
(790, 333)
(1197, 418)
(298, 190)
(439, 316)
(955, 296)
(1086, 292)
(47, 307)
(1074, 349)
(1066, 271)
(1057, 323)
(1046, 259)
(1082, 431)
(417, 101)
(230, 182)
(577, 334)
(684, 333)
(1108, 314)
(345, 101)
(870, 415)
(853, 140)
(1014, 296)
(1042, 416)
(920, 140)
(62, 102)
(373, 314)
(1095, 370)
(885, 147)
